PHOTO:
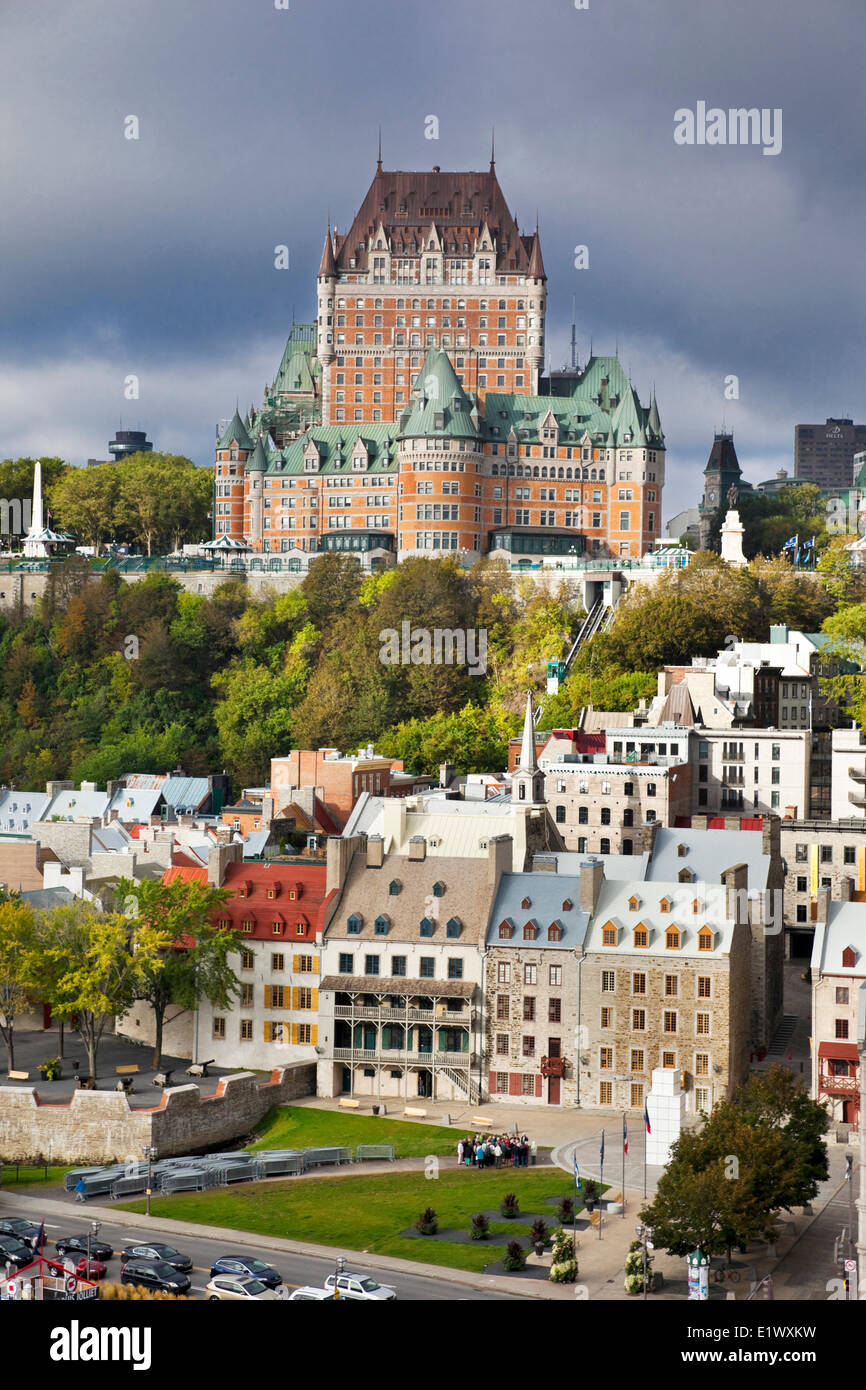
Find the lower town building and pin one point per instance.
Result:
(602, 804)
(400, 993)
(820, 856)
(838, 972)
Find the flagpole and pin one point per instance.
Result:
(624, 1147)
(601, 1185)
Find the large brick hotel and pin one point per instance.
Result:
(413, 417)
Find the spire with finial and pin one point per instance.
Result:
(379, 158)
(528, 760)
(492, 148)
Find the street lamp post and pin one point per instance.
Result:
(150, 1154)
(852, 1251)
(338, 1270)
(91, 1235)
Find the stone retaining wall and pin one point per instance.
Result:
(101, 1126)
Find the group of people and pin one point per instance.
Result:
(494, 1151)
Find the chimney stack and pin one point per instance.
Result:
(418, 848)
(375, 851)
(591, 879)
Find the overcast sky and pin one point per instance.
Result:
(155, 256)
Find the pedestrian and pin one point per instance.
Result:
(79, 1190)
(479, 1155)
(524, 1149)
(459, 1152)
(498, 1154)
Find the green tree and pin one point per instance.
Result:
(195, 964)
(85, 500)
(471, 739)
(18, 966)
(162, 499)
(331, 587)
(94, 965)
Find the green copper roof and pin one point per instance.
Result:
(627, 422)
(237, 433)
(336, 448)
(257, 462)
(654, 424)
(440, 406)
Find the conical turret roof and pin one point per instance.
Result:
(237, 432)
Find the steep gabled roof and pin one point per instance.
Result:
(236, 433)
(440, 405)
(327, 265)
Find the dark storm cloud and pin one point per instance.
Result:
(156, 256)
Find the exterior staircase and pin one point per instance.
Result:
(464, 1082)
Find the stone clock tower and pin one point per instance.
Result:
(721, 473)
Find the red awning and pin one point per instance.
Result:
(839, 1051)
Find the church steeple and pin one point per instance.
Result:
(527, 782)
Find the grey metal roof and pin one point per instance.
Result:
(709, 854)
(185, 791)
(546, 894)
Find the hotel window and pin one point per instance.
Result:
(637, 1059)
(702, 1064)
(638, 983)
(219, 1028)
(247, 960)
(278, 960)
(503, 1008)
(705, 987)
(607, 1017)
(605, 1093)
(608, 981)
(305, 998)
(530, 974)
(246, 996)
(529, 1009)
(638, 1020)
(670, 1021)
(605, 1058)
(503, 973)
(247, 925)
(703, 1025)
(554, 975)
(246, 1030)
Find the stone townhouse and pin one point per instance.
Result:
(277, 908)
(665, 982)
(820, 856)
(838, 972)
(400, 1001)
(602, 804)
(532, 989)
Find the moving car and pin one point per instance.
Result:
(154, 1274)
(95, 1270)
(237, 1288)
(77, 1245)
(308, 1294)
(15, 1252)
(166, 1253)
(359, 1286)
(22, 1230)
(245, 1264)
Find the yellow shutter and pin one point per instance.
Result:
(314, 1034)
(294, 997)
(315, 1003)
(297, 963)
(316, 964)
(267, 996)
(294, 1032)
(267, 1034)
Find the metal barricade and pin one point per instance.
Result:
(314, 1157)
(380, 1151)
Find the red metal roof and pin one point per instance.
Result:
(839, 1051)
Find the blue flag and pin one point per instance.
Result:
(576, 1173)
(602, 1149)
(40, 1239)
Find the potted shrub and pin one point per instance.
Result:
(563, 1269)
(510, 1206)
(590, 1194)
(51, 1069)
(515, 1256)
(479, 1227)
(427, 1223)
(539, 1232)
(634, 1269)
(565, 1211)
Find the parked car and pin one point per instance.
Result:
(14, 1252)
(95, 1270)
(236, 1288)
(77, 1245)
(308, 1294)
(154, 1274)
(22, 1230)
(245, 1264)
(166, 1253)
(359, 1286)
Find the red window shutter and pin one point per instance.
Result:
(538, 1085)
(515, 1083)
(493, 1083)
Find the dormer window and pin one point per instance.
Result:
(294, 892)
(682, 851)
(686, 876)
(353, 925)
(673, 939)
(554, 932)
(246, 925)
(641, 937)
(526, 903)
(277, 927)
(504, 931)
(302, 926)
(633, 904)
(530, 931)
(438, 890)
(665, 905)
(381, 925)
(567, 904)
(394, 887)
(705, 939)
(608, 934)
(453, 927)
(427, 927)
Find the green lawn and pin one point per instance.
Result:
(302, 1127)
(369, 1213)
(16, 1176)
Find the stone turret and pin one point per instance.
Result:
(326, 283)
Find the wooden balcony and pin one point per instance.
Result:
(457, 1017)
(397, 1058)
(838, 1085)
